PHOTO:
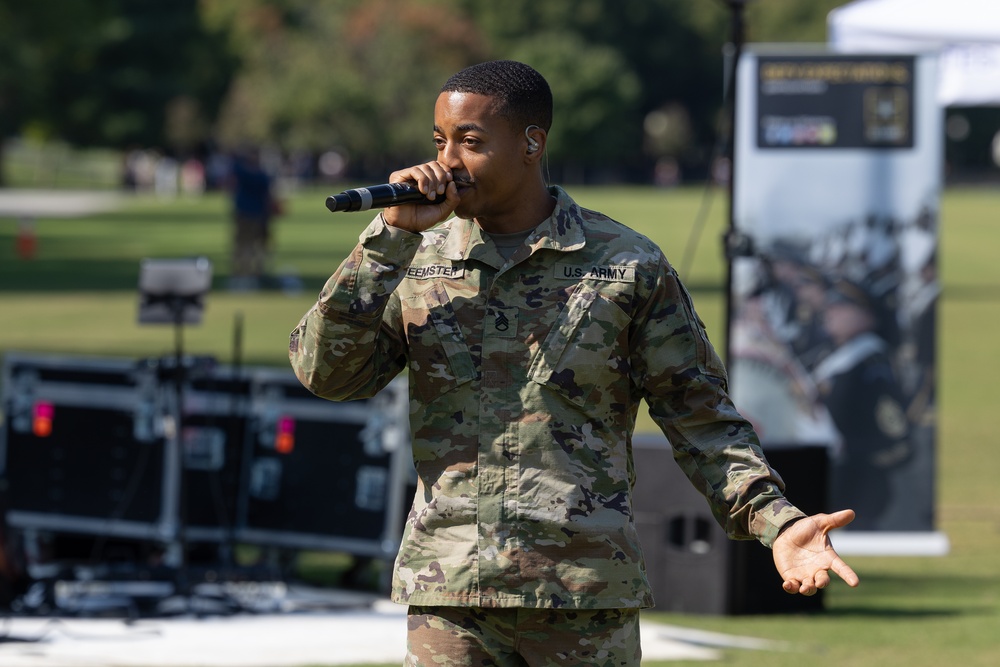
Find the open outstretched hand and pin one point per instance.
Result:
(804, 555)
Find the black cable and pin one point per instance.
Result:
(724, 138)
(701, 218)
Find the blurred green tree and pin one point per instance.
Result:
(360, 76)
(778, 22)
(352, 76)
(665, 53)
(34, 41)
(110, 72)
(595, 96)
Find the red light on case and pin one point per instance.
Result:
(41, 419)
(284, 438)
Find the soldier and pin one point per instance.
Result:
(531, 329)
(857, 384)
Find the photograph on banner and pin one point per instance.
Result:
(834, 287)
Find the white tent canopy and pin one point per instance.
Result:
(965, 34)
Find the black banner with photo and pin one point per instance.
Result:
(834, 102)
(837, 168)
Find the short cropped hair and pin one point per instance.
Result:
(522, 94)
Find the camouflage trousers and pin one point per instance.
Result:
(520, 637)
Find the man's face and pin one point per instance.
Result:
(843, 321)
(485, 155)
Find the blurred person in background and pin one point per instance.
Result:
(857, 384)
(254, 207)
(532, 329)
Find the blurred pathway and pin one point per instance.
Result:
(31, 204)
(364, 631)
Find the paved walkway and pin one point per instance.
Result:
(362, 632)
(31, 204)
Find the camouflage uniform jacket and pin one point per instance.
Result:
(526, 377)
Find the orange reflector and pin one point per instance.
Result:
(41, 422)
(284, 438)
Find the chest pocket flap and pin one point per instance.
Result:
(581, 350)
(439, 356)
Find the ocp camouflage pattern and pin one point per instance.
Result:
(526, 376)
(467, 636)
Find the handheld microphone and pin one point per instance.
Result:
(378, 196)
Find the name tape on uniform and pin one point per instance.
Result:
(435, 271)
(613, 274)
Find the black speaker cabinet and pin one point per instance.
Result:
(691, 564)
(212, 439)
(325, 475)
(83, 450)
(143, 450)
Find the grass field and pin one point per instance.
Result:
(77, 297)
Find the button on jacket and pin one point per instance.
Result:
(526, 376)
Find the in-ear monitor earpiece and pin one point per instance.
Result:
(532, 144)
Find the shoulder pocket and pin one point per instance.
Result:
(708, 359)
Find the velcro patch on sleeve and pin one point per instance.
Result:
(608, 273)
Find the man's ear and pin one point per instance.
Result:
(534, 138)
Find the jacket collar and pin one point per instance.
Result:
(562, 231)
